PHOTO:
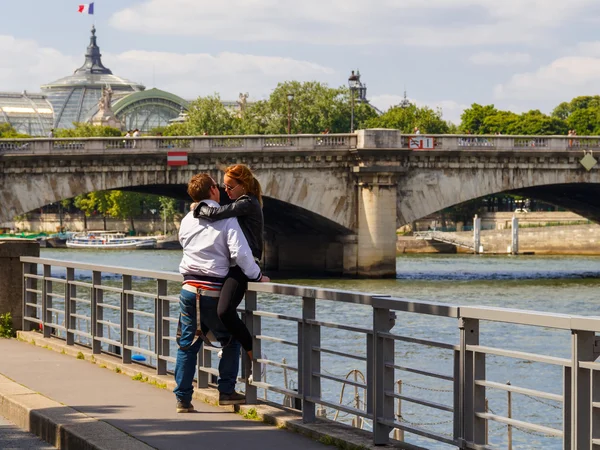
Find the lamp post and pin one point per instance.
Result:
(353, 84)
(290, 97)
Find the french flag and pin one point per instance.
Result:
(87, 8)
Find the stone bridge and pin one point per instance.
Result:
(332, 202)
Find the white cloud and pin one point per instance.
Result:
(25, 65)
(411, 22)
(190, 75)
(451, 110)
(499, 59)
(560, 80)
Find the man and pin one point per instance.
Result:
(209, 249)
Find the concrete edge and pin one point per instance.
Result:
(325, 431)
(57, 424)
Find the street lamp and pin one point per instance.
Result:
(354, 85)
(290, 97)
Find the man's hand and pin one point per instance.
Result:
(265, 279)
(193, 206)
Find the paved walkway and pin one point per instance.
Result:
(142, 411)
(12, 437)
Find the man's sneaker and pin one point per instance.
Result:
(183, 407)
(231, 399)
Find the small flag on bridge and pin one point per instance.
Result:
(86, 8)
(177, 159)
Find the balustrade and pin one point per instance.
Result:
(299, 143)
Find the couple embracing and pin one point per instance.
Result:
(222, 246)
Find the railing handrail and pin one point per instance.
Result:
(492, 314)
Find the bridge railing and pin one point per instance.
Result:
(203, 144)
(192, 144)
(453, 359)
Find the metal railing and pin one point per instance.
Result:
(302, 142)
(321, 331)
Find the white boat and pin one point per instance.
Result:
(109, 240)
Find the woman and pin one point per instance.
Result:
(245, 191)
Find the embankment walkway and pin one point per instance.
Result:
(144, 415)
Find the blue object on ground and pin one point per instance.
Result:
(138, 358)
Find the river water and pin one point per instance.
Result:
(561, 284)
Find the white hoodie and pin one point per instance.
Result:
(210, 248)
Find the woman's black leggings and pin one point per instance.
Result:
(232, 293)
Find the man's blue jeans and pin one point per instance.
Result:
(186, 359)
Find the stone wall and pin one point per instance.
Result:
(559, 240)
(50, 223)
(556, 240)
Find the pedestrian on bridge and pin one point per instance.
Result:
(209, 249)
(242, 187)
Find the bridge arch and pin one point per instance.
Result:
(426, 192)
(307, 223)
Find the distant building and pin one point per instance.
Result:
(30, 114)
(75, 98)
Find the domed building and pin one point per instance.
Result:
(76, 98)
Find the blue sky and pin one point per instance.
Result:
(516, 54)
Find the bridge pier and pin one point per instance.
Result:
(377, 195)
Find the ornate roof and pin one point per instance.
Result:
(93, 73)
(149, 94)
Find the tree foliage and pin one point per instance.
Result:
(87, 130)
(487, 119)
(125, 205)
(407, 118)
(8, 132)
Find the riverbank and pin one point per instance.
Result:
(554, 240)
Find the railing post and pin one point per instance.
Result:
(309, 384)
(473, 397)
(509, 415)
(159, 331)
(96, 312)
(254, 328)
(127, 336)
(595, 399)
(582, 348)
(28, 285)
(458, 400)
(70, 292)
(47, 301)
(370, 374)
(567, 407)
(383, 353)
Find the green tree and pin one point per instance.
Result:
(536, 123)
(500, 122)
(473, 118)
(407, 118)
(87, 130)
(85, 205)
(125, 205)
(8, 132)
(168, 210)
(207, 115)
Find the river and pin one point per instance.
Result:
(560, 284)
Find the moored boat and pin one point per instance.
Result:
(109, 240)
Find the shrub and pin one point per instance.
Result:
(6, 327)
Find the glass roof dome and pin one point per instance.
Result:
(27, 113)
(75, 97)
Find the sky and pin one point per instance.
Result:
(515, 54)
